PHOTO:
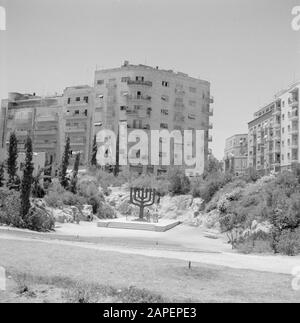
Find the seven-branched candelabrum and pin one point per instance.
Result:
(142, 197)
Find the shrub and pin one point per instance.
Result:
(289, 242)
(105, 211)
(179, 182)
(89, 190)
(252, 175)
(38, 219)
(10, 207)
(206, 188)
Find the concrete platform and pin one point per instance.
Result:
(122, 223)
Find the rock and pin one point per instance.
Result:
(61, 216)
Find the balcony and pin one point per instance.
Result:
(75, 116)
(295, 144)
(22, 133)
(75, 130)
(40, 145)
(140, 82)
(277, 111)
(45, 132)
(46, 119)
(294, 131)
(139, 97)
(293, 101)
(294, 116)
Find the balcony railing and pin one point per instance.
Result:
(277, 111)
(135, 82)
(40, 145)
(45, 132)
(293, 101)
(74, 130)
(140, 97)
(295, 115)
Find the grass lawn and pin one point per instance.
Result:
(171, 279)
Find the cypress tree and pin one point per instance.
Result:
(65, 164)
(75, 173)
(27, 179)
(12, 159)
(94, 152)
(1, 174)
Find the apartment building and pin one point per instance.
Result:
(78, 116)
(49, 121)
(39, 117)
(152, 99)
(273, 141)
(236, 154)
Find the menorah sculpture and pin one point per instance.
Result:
(142, 197)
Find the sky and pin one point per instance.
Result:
(246, 49)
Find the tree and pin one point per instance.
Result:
(94, 152)
(213, 165)
(1, 174)
(27, 179)
(75, 173)
(65, 163)
(12, 159)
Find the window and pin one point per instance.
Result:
(78, 99)
(191, 116)
(164, 126)
(85, 112)
(137, 107)
(76, 112)
(69, 100)
(100, 82)
(165, 83)
(139, 78)
(192, 103)
(165, 98)
(283, 117)
(282, 130)
(193, 90)
(125, 79)
(86, 99)
(123, 108)
(164, 112)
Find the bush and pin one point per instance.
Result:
(39, 220)
(105, 211)
(10, 207)
(289, 242)
(179, 182)
(206, 188)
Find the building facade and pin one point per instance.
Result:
(273, 141)
(152, 99)
(236, 154)
(39, 117)
(141, 96)
(49, 121)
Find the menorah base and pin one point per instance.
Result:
(134, 224)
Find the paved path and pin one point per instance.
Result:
(275, 264)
